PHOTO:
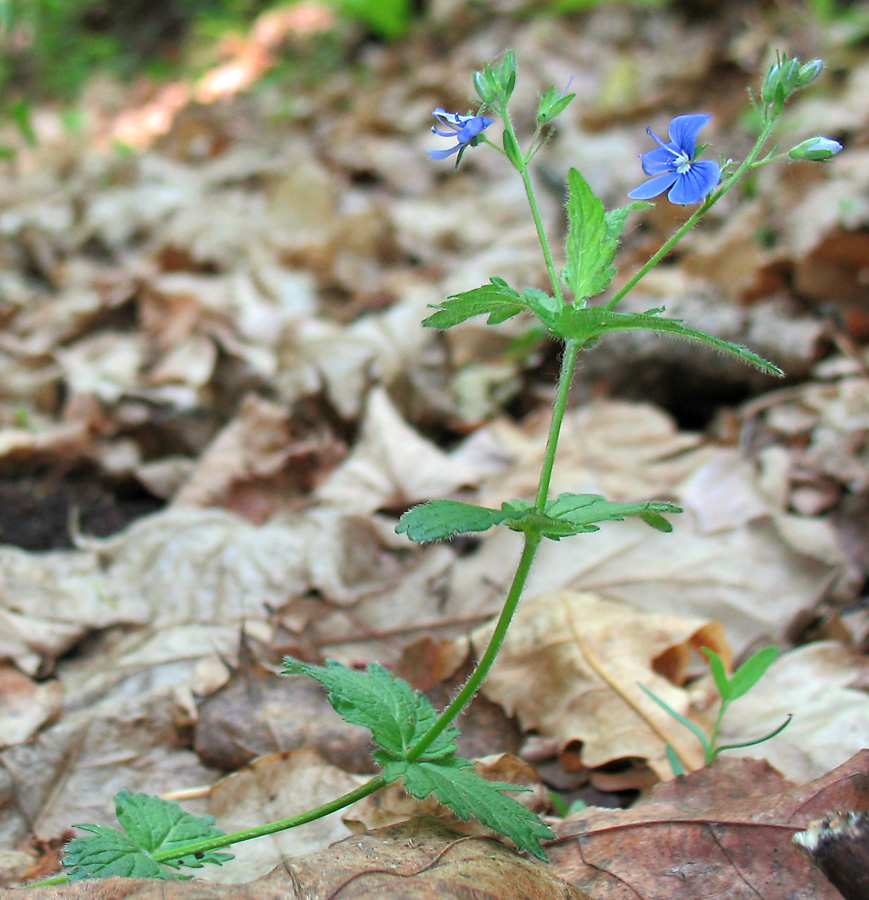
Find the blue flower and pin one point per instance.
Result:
(466, 130)
(674, 166)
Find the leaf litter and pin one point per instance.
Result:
(272, 386)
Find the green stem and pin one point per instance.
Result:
(692, 220)
(713, 738)
(248, 834)
(565, 377)
(522, 168)
(532, 541)
(472, 685)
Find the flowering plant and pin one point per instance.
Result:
(416, 744)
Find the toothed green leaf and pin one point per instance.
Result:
(396, 715)
(497, 300)
(151, 826)
(455, 783)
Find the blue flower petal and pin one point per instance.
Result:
(465, 129)
(692, 186)
(684, 131)
(653, 186)
(659, 160)
(475, 126)
(442, 154)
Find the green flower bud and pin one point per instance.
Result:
(553, 103)
(781, 80)
(815, 149)
(809, 72)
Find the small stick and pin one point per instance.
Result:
(839, 846)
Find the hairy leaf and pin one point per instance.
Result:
(455, 783)
(152, 826)
(441, 519)
(591, 244)
(396, 715)
(590, 323)
(497, 300)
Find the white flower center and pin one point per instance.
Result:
(682, 163)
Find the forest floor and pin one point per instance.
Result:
(216, 398)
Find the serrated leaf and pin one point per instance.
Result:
(497, 300)
(616, 218)
(151, 826)
(455, 783)
(109, 852)
(438, 520)
(544, 306)
(590, 323)
(396, 715)
(162, 825)
(590, 246)
(581, 513)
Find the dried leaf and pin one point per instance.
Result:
(723, 831)
(571, 668)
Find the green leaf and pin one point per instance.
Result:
(590, 246)
(578, 513)
(387, 18)
(719, 674)
(396, 715)
(21, 115)
(497, 300)
(438, 520)
(467, 794)
(109, 852)
(616, 218)
(587, 324)
(568, 514)
(694, 729)
(760, 740)
(675, 762)
(745, 677)
(151, 826)
(511, 148)
(544, 306)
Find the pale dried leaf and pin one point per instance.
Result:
(572, 665)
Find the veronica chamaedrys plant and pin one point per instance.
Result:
(415, 743)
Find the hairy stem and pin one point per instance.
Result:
(522, 168)
(472, 685)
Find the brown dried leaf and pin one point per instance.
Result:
(258, 712)
(719, 832)
(270, 788)
(571, 667)
(418, 860)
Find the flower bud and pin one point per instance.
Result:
(815, 149)
(487, 88)
(553, 103)
(780, 80)
(809, 72)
